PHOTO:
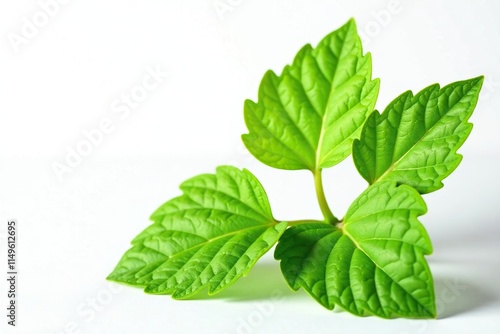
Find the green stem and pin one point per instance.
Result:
(303, 221)
(320, 194)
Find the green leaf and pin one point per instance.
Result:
(307, 117)
(207, 238)
(373, 264)
(415, 140)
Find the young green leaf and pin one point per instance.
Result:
(415, 140)
(374, 264)
(209, 237)
(307, 117)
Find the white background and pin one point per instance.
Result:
(66, 75)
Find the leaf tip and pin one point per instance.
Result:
(479, 81)
(351, 23)
(480, 78)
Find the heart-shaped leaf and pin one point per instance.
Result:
(415, 140)
(207, 238)
(374, 264)
(307, 117)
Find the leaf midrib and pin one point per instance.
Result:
(425, 134)
(237, 275)
(197, 248)
(207, 241)
(330, 94)
(298, 276)
(358, 246)
(251, 208)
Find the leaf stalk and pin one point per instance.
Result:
(303, 221)
(320, 194)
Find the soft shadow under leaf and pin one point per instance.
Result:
(263, 282)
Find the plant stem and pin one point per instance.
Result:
(320, 194)
(303, 221)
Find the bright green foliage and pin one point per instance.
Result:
(373, 264)
(208, 237)
(416, 138)
(307, 117)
